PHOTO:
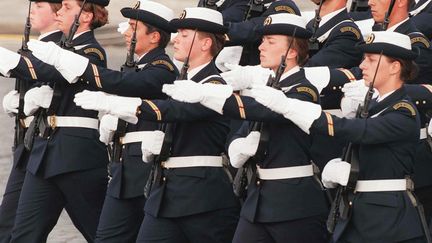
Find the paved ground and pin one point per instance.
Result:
(12, 20)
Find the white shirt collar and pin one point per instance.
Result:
(141, 57)
(392, 29)
(76, 35)
(382, 97)
(329, 16)
(289, 73)
(46, 34)
(194, 71)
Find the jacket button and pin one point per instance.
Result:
(258, 183)
(164, 178)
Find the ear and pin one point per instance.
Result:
(292, 54)
(155, 37)
(206, 44)
(86, 17)
(395, 68)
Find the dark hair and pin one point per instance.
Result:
(302, 48)
(55, 7)
(218, 41)
(409, 69)
(100, 14)
(164, 36)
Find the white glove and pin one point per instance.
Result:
(11, 102)
(349, 107)
(8, 61)
(430, 128)
(228, 55)
(124, 108)
(37, 97)
(356, 90)
(123, 27)
(70, 65)
(335, 172)
(244, 77)
(107, 128)
(241, 149)
(302, 113)
(318, 76)
(212, 96)
(152, 145)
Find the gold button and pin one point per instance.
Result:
(350, 203)
(417, 102)
(258, 183)
(121, 159)
(124, 146)
(164, 178)
(424, 101)
(334, 88)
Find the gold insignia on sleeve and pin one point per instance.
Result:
(268, 21)
(165, 63)
(420, 39)
(155, 109)
(240, 105)
(405, 105)
(284, 9)
(352, 30)
(330, 124)
(348, 74)
(137, 5)
(214, 82)
(183, 15)
(30, 67)
(95, 51)
(309, 91)
(370, 38)
(96, 76)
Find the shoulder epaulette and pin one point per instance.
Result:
(164, 63)
(418, 37)
(405, 105)
(351, 29)
(308, 90)
(95, 51)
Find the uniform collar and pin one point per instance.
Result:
(329, 16)
(192, 72)
(388, 100)
(151, 55)
(290, 72)
(394, 27)
(47, 34)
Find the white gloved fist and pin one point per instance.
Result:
(228, 55)
(11, 102)
(355, 90)
(69, 64)
(244, 77)
(302, 113)
(335, 172)
(152, 145)
(37, 97)
(212, 96)
(107, 128)
(123, 27)
(124, 108)
(8, 61)
(349, 107)
(241, 149)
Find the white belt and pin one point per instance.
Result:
(135, 137)
(336, 112)
(285, 172)
(381, 185)
(26, 121)
(73, 121)
(193, 161)
(423, 133)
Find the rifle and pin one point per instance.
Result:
(255, 8)
(245, 174)
(40, 125)
(128, 66)
(387, 15)
(168, 129)
(209, 4)
(340, 207)
(21, 87)
(313, 41)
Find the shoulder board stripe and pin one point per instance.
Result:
(165, 63)
(406, 106)
(308, 91)
(352, 30)
(95, 51)
(428, 86)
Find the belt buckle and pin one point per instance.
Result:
(52, 121)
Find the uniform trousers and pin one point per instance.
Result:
(210, 227)
(9, 203)
(120, 219)
(306, 230)
(42, 200)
